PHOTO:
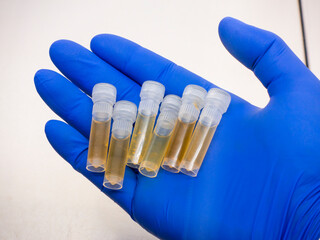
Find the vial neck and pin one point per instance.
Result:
(168, 115)
(219, 105)
(101, 111)
(166, 122)
(148, 107)
(188, 112)
(103, 99)
(196, 101)
(210, 116)
(121, 128)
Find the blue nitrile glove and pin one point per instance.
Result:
(261, 175)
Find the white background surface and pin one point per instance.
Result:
(41, 196)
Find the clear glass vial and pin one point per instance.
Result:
(151, 96)
(103, 97)
(124, 115)
(217, 103)
(157, 147)
(192, 102)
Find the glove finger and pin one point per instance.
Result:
(68, 101)
(141, 64)
(267, 55)
(72, 146)
(85, 69)
(65, 99)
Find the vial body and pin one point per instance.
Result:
(124, 115)
(151, 95)
(140, 138)
(154, 155)
(180, 140)
(116, 163)
(217, 103)
(98, 145)
(103, 97)
(192, 102)
(197, 149)
(161, 136)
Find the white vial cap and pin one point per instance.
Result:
(196, 94)
(104, 92)
(124, 115)
(219, 98)
(153, 90)
(125, 110)
(171, 101)
(168, 115)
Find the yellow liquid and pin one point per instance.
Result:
(151, 162)
(197, 150)
(140, 138)
(116, 163)
(98, 145)
(178, 145)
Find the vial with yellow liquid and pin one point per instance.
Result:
(124, 115)
(192, 102)
(157, 147)
(151, 94)
(103, 97)
(216, 104)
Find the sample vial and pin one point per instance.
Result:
(103, 97)
(151, 96)
(157, 147)
(124, 115)
(192, 102)
(217, 103)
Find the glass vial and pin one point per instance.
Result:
(151, 96)
(124, 115)
(217, 103)
(157, 147)
(103, 97)
(192, 102)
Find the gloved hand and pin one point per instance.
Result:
(261, 175)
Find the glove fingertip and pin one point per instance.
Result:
(52, 128)
(62, 47)
(41, 76)
(245, 42)
(103, 40)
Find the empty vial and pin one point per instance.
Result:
(151, 96)
(217, 103)
(192, 102)
(157, 147)
(103, 97)
(124, 115)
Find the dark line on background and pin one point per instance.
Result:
(303, 34)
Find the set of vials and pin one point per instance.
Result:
(176, 143)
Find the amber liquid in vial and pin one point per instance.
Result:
(154, 155)
(98, 145)
(197, 150)
(116, 163)
(178, 146)
(141, 136)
